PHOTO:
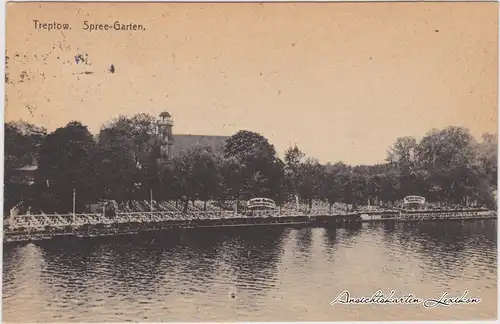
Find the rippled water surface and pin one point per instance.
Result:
(253, 274)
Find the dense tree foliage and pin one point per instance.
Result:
(22, 143)
(262, 171)
(197, 174)
(66, 163)
(122, 163)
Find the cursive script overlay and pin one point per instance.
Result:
(410, 299)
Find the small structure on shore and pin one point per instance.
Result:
(261, 204)
(413, 202)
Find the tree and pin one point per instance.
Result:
(65, 163)
(117, 175)
(447, 154)
(334, 188)
(245, 143)
(310, 184)
(447, 165)
(136, 136)
(404, 152)
(374, 188)
(259, 157)
(22, 142)
(446, 148)
(206, 167)
(390, 186)
(232, 178)
(134, 140)
(421, 182)
(404, 155)
(196, 174)
(358, 186)
(277, 182)
(293, 162)
(487, 153)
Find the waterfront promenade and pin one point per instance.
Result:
(36, 227)
(133, 217)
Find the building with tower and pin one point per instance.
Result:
(172, 144)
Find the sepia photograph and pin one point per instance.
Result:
(250, 161)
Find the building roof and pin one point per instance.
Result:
(28, 168)
(184, 141)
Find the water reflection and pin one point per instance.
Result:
(304, 239)
(246, 274)
(330, 235)
(452, 244)
(256, 258)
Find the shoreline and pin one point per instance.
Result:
(97, 225)
(131, 227)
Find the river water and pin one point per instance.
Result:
(253, 274)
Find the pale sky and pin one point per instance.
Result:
(341, 80)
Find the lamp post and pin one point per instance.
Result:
(74, 204)
(151, 202)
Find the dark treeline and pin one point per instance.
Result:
(123, 162)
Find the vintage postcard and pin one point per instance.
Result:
(237, 162)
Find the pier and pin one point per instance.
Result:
(446, 214)
(41, 227)
(424, 215)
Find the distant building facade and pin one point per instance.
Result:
(185, 141)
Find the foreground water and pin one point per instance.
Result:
(253, 274)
